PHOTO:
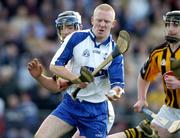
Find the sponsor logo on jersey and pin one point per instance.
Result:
(96, 51)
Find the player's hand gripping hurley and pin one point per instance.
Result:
(172, 126)
(175, 67)
(122, 46)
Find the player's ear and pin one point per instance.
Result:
(114, 23)
(92, 20)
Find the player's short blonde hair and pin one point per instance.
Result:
(105, 7)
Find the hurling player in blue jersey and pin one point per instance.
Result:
(66, 23)
(89, 113)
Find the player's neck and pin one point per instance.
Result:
(174, 46)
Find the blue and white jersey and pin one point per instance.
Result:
(81, 49)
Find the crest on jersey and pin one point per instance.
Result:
(163, 62)
(86, 53)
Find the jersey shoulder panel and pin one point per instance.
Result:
(158, 49)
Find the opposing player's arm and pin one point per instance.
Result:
(35, 68)
(52, 85)
(142, 86)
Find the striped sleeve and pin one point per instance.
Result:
(150, 68)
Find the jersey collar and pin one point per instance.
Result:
(93, 38)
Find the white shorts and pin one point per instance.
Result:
(111, 116)
(169, 113)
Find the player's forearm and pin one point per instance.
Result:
(142, 86)
(62, 72)
(48, 83)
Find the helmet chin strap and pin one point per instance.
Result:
(171, 39)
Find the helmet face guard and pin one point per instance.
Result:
(173, 18)
(68, 18)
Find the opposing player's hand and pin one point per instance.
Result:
(35, 68)
(62, 84)
(114, 94)
(139, 104)
(171, 82)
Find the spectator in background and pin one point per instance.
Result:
(30, 112)
(14, 117)
(2, 119)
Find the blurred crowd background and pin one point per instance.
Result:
(27, 31)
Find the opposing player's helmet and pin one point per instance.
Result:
(68, 18)
(172, 17)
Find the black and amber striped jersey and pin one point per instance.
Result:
(159, 62)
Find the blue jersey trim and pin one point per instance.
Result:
(106, 42)
(67, 54)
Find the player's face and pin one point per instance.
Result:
(172, 28)
(102, 22)
(66, 30)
